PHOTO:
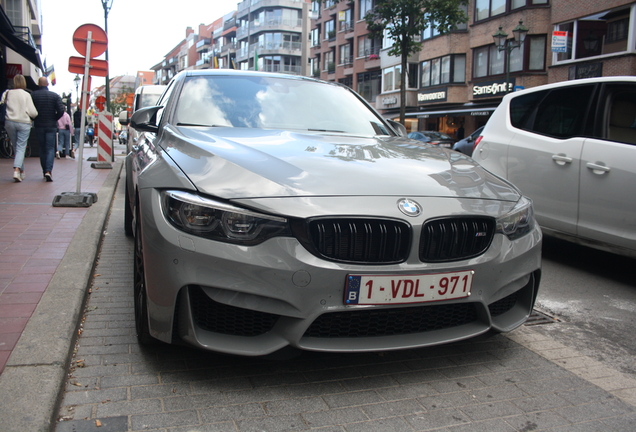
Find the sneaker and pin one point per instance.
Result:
(16, 176)
(57, 155)
(22, 175)
(48, 177)
(72, 154)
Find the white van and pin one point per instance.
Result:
(145, 96)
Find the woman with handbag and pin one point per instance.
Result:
(20, 111)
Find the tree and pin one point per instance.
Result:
(405, 20)
(118, 103)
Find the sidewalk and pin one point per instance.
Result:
(47, 255)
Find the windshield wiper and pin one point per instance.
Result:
(197, 125)
(325, 130)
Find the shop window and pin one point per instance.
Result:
(602, 33)
(449, 69)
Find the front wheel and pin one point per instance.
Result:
(139, 291)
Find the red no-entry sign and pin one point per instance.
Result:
(99, 40)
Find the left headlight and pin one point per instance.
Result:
(519, 222)
(204, 217)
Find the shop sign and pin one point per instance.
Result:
(589, 70)
(389, 100)
(13, 69)
(438, 95)
(493, 88)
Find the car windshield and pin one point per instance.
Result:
(274, 103)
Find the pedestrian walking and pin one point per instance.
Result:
(64, 146)
(20, 112)
(50, 109)
(77, 123)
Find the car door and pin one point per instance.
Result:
(544, 155)
(607, 209)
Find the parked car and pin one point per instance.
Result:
(274, 211)
(467, 144)
(433, 138)
(145, 96)
(571, 147)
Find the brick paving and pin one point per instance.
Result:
(522, 381)
(34, 236)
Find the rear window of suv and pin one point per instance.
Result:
(559, 113)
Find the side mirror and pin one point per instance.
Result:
(123, 118)
(145, 119)
(399, 128)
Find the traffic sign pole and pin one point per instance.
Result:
(91, 41)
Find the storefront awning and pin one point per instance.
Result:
(10, 40)
(470, 110)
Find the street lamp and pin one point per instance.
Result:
(77, 80)
(504, 44)
(107, 5)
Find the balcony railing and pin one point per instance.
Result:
(24, 33)
(288, 69)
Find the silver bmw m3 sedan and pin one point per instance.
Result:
(272, 211)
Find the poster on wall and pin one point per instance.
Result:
(560, 41)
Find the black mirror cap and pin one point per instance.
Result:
(398, 127)
(145, 119)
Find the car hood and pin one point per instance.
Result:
(234, 163)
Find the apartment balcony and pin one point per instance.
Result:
(203, 45)
(229, 24)
(280, 48)
(203, 63)
(292, 70)
(246, 6)
(229, 48)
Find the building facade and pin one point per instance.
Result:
(454, 82)
(20, 42)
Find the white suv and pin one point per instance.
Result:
(571, 147)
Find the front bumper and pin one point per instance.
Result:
(257, 300)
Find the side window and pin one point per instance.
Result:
(522, 109)
(559, 113)
(620, 115)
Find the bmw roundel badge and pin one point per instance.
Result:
(409, 207)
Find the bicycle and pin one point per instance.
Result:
(6, 147)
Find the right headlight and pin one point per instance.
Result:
(204, 217)
(519, 222)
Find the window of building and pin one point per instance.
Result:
(348, 81)
(314, 37)
(449, 69)
(392, 76)
(369, 85)
(314, 66)
(13, 9)
(602, 33)
(485, 9)
(315, 6)
(346, 21)
(431, 31)
(330, 29)
(346, 58)
(365, 7)
(368, 46)
(489, 61)
(330, 61)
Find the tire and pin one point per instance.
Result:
(128, 218)
(139, 290)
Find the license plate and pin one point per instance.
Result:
(391, 289)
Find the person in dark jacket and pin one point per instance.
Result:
(50, 108)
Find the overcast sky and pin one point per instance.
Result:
(140, 32)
